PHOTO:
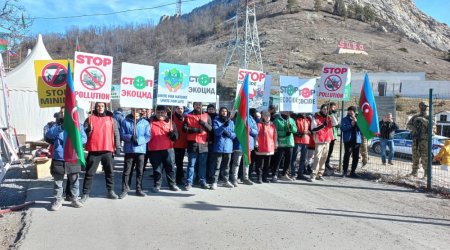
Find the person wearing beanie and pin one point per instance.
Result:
(180, 144)
(351, 136)
(265, 147)
(286, 128)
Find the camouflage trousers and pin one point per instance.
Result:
(420, 155)
(363, 150)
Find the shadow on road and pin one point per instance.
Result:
(204, 206)
(347, 187)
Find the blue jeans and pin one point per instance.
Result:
(58, 185)
(192, 158)
(302, 149)
(390, 144)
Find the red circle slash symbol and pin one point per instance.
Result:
(92, 78)
(54, 75)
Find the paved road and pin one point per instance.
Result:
(335, 214)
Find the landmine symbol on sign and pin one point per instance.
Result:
(54, 75)
(93, 78)
(306, 92)
(333, 83)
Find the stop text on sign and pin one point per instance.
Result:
(254, 76)
(93, 60)
(335, 70)
(129, 80)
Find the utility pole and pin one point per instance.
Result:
(245, 39)
(178, 7)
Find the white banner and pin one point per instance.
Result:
(173, 84)
(266, 95)
(332, 82)
(136, 86)
(255, 87)
(202, 82)
(297, 95)
(93, 77)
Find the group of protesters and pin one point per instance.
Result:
(298, 144)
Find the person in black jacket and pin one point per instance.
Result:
(387, 131)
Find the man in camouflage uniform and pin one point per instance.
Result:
(363, 151)
(418, 125)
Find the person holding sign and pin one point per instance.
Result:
(135, 133)
(224, 134)
(164, 133)
(302, 139)
(197, 125)
(286, 128)
(59, 167)
(180, 144)
(265, 147)
(322, 128)
(103, 141)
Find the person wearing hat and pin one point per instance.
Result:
(135, 132)
(102, 143)
(418, 126)
(351, 136)
(163, 134)
(211, 109)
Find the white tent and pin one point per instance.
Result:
(26, 115)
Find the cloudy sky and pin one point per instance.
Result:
(43, 9)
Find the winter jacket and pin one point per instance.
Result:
(56, 134)
(164, 133)
(286, 128)
(387, 129)
(223, 135)
(348, 130)
(323, 133)
(102, 131)
(444, 154)
(303, 134)
(119, 117)
(196, 132)
(181, 142)
(267, 139)
(142, 135)
(253, 131)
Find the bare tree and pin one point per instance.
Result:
(13, 19)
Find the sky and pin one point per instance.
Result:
(64, 8)
(41, 9)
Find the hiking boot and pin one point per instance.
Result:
(156, 189)
(247, 182)
(413, 173)
(285, 178)
(140, 193)
(384, 163)
(274, 179)
(174, 188)
(344, 174)
(123, 194)
(188, 187)
(213, 186)
(312, 178)
(353, 175)
(112, 195)
(68, 198)
(235, 184)
(228, 185)
(390, 163)
(84, 198)
(320, 178)
(76, 203)
(56, 205)
(206, 186)
(308, 179)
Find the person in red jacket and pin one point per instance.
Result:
(265, 147)
(103, 141)
(180, 144)
(163, 134)
(302, 139)
(322, 128)
(197, 125)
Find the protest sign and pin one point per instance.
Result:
(202, 82)
(173, 84)
(136, 84)
(333, 81)
(255, 87)
(297, 95)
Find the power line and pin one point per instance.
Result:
(111, 13)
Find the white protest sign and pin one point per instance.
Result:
(93, 77)
(202, 82)
(115, 92)
(136, 86)
(297, 95)
(332, 81)
(173, 84)
(266, 95)
(255, 86)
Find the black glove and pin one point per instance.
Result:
(134, 140)
(298, 134)
(288, 133)
(60, 121)
(202, 122)
(117, 152)
(225, 124)
(226, 134)
(172, 136)
(325, 123)
(196, 130)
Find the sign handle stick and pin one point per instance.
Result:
(134, 128)
(171, 118)
(91, 110)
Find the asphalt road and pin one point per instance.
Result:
(334, 214)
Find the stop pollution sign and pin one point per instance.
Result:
(332, 81)
(93, 77)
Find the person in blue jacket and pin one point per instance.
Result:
(351, 135)
(135, 133)
(224, 134)
(59, 167)
(237, 154)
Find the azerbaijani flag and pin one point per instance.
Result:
(367, 115)
(241, 126)
(73, 145)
